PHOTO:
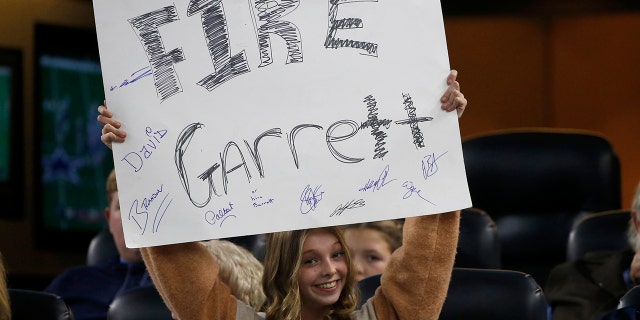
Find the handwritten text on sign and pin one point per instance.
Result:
(260, 116)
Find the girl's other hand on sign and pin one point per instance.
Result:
(453, 99)
(111, 131)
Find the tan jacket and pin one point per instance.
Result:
(413, 286)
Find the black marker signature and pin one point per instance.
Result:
(411, 190)
(353, 204)
(310, 198)
(378, 183)
(430, 164)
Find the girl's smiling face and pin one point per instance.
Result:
(323, 271)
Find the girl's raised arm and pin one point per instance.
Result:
(415, 283)
(186, 275)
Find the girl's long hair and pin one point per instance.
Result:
(280, 280)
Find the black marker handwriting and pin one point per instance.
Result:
(310, 198)
(221, 171)
(411, 190)
(380, 182)
(269, 21)
(223, 214)
(331, 139)
(353, 204)
(418, 137)
(376, 124)
(430, 164)
(162, 61)
(335, 24)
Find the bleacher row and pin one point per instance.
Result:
(540, 197)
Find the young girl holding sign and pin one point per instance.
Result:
(308, 274)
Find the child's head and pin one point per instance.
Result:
(371, 245)
(114, 220)
(308, 270)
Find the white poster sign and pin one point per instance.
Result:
(248, 117)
